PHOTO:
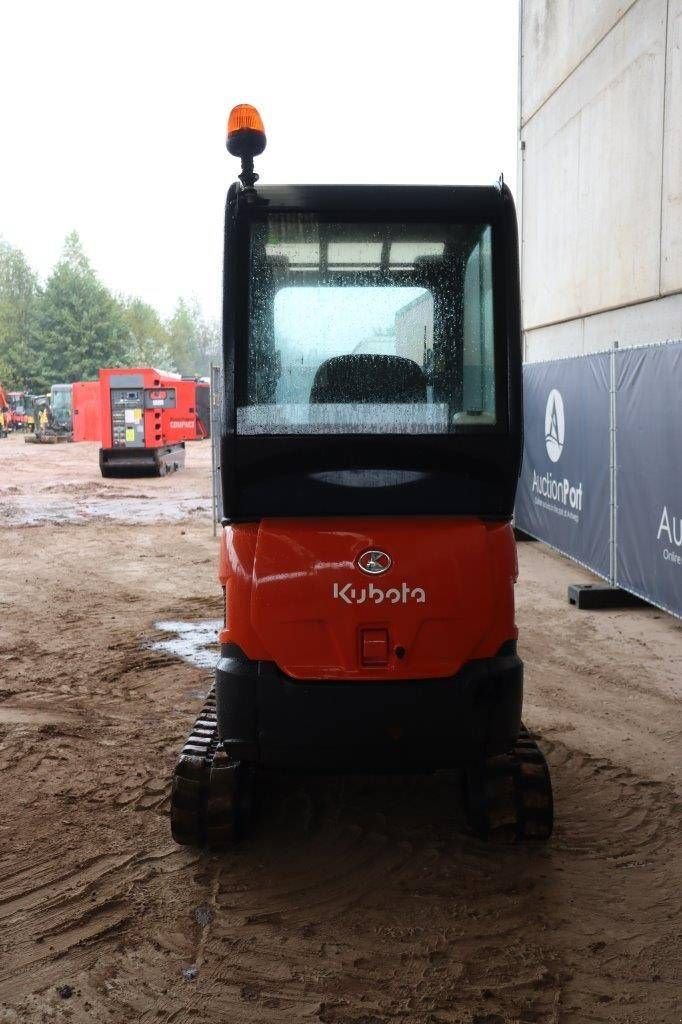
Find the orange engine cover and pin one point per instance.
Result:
(295, 595)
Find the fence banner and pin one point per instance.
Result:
(648, 534)
(563, 497)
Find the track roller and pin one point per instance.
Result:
(508, 798)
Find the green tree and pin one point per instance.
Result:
(148, 339)
(194, 342)
(81, 326)
(183, 333)
(208, 345)
(19, 298)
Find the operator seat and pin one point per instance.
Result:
(363, 377)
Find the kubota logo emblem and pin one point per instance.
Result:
(394, 595)
(374, 562)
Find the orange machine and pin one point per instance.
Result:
(192, 413)
(146, 416)
(20, 415)
(370, 450)
(351, 624)
(86, 410)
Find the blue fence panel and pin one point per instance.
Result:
(564, 493)
(648, 536)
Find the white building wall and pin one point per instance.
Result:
(414, 328)
(601, 173)
(557, 35)
(671, 233)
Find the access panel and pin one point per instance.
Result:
(127, 417)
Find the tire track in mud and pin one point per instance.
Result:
(89, 785)
(52, 912)
(358, 900)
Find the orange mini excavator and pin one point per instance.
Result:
(371, 444)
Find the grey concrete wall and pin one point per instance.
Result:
(601, 173)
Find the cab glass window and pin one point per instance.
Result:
(368, 328)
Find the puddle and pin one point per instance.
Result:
(23, 511)
(194, 642)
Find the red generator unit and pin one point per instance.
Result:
(142, 433)
(192, 417)
(86, 410)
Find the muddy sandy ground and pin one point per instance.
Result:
(355, 900)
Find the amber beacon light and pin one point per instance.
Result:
(245, 139)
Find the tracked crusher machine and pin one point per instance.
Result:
(370, 450)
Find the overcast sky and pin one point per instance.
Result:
(112, 118)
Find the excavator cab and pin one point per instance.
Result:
(371, 445)
(61, 407)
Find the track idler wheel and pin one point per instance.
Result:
(508, 798)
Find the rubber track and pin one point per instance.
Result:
(509, 797)
(204, 786)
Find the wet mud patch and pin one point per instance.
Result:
(193, 642)
(71, 509)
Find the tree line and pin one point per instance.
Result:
(72, 326)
